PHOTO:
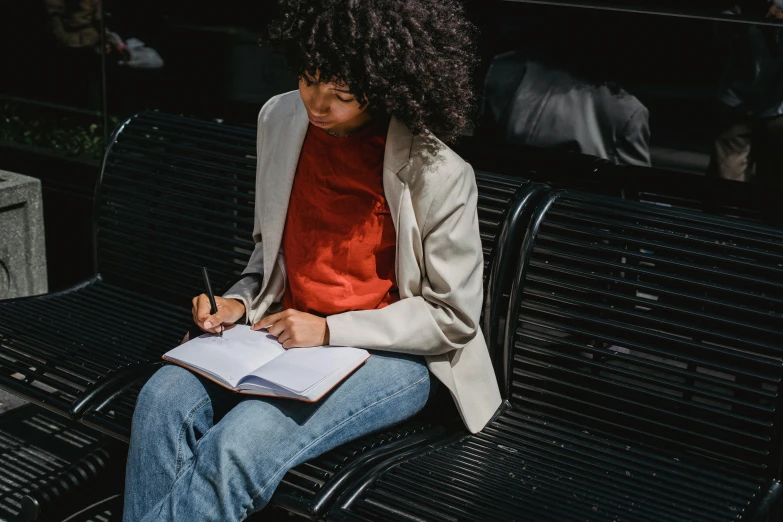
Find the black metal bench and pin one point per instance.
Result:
(642, 377)
(156, 225)
(175, 194)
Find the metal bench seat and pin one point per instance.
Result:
(644, 359)
(63, 349)
(310, 488)
(525, 466)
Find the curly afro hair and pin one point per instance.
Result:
(412, 59)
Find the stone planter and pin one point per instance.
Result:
(68, 191)
(22, 250)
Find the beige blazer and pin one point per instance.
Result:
(432, 195)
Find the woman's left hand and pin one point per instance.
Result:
(295, 329)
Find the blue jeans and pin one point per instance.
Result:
(199, 452)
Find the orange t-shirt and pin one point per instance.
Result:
(339, 239)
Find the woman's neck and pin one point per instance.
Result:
(351, 127)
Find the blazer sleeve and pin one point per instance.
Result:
(247, 288)
(445, 316)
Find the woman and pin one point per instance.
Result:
(366, 235)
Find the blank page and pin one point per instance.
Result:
(299, 369)
(231, 357)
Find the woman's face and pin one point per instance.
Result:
(331, 107)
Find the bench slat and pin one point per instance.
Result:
(45, 340)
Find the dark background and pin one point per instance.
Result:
(58, 105)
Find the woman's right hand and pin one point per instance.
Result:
(229, 311)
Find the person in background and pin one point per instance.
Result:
(561, 96)
(72, 58)
(749, 144)
(76, 24)
(74, 61)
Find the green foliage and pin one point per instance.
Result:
(69, 134)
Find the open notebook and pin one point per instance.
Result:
(253, 362)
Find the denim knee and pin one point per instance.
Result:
(171, 390)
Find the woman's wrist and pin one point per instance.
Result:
(242, 311)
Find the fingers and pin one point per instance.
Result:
(203, 308)
(200, 310)
(228, 312)
(194, 309)
(295, 329)
(214, 324)
(279, 327)
(270, 320)
(206, 320)
(285, 337)
(263, 324)
(203, 317)
(214, 320)
(288, 340)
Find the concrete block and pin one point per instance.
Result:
(22, 247)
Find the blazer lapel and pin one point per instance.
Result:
(396, 156)
(279, 180)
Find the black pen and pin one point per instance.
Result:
(212, 303)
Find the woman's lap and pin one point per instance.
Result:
(264, 437)
(380, 377)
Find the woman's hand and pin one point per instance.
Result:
(229, 311)
(295, 329)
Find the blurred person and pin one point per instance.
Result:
(75, 28)
(562, 96)
(749, 144)
(76, 24)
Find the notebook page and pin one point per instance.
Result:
(231, 357)
(299, 369)
(253, 385)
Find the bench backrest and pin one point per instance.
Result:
(659, 326)
(175, 194)
(504, 208)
